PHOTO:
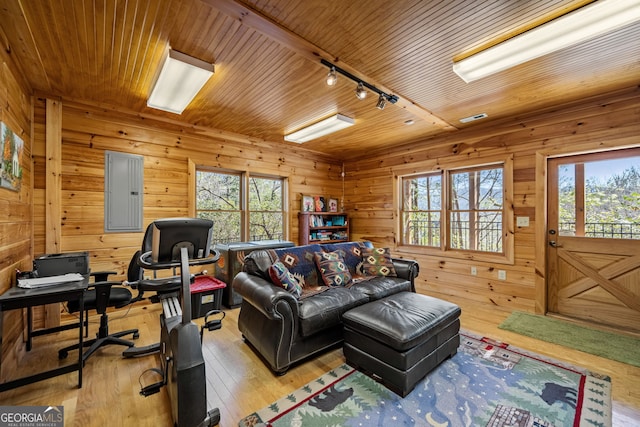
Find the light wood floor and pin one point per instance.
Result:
(238, 383)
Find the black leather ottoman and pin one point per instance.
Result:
(401, 338)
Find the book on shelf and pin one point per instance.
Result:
(328, 235)
(339, 220)
(339, 235)
(324, 235)
(324, 221)
(321, 235)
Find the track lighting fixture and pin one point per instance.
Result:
(361, 90)
(332, 77)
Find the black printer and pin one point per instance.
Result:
(59, 264)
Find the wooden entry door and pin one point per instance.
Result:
(593, 251)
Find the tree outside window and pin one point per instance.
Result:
(473, 206)
(599, 197)
(266, 215)
(475, 209)
(242, 208)
(421, 213)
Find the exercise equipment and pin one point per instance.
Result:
(182, 243)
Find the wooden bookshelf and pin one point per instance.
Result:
(322, 227)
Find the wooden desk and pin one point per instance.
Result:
(16, 298)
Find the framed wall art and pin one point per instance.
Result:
(11, 148)
(307, 204)
(320, 205)
(333, 205)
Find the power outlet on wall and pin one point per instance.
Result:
(502, 275)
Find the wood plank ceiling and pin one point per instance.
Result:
(269, 80)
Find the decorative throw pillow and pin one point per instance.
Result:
(377, 262)
(281, 276)
(332, 268)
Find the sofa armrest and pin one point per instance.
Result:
(263, 295)
(407, 269)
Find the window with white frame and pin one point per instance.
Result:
(243, 207)
(458, 210)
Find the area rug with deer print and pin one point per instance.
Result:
(487, 383)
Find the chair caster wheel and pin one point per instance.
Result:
(62, 354)
(136, 335)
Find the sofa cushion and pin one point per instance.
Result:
(325, 310)
(298, 260)
(280, 275)
(377, 262)
(332, 269)
(380, 286)
(351, 252)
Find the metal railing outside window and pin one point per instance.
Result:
(489, 237)
(252, 238)
(605, 230)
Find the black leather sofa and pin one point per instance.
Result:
(284, 329)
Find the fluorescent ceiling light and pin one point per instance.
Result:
(180, 79)
(321, 128)
(584, 23)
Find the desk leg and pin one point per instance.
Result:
(81, 340)
(29, 328)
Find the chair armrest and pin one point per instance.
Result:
(101, 276)
(263, 295)
(406, 269)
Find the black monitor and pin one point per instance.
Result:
(171, 234)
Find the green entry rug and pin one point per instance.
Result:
(487, 383)
(621, 348)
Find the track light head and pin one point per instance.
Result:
(361, 92)
(332, 77)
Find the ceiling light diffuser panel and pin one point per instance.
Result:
(585, 23)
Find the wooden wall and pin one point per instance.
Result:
(16, 227)
(370, 198)
(168, 148)
(591, 125)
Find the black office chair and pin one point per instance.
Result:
(100, 295)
